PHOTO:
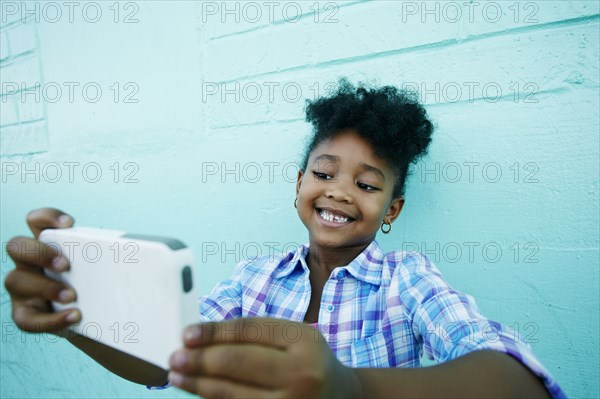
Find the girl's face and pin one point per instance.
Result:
(345, 193)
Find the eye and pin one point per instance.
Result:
(366, 187)
(321, 176)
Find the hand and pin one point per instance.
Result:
(260, 358)
(30, 289)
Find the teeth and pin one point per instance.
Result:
(330, 217)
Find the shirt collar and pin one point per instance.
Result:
(367, 266)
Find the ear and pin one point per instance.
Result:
(299, 181)
(394, 209)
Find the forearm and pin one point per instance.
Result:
(481, 374)
(119, 363)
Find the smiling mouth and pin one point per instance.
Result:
(331, 217)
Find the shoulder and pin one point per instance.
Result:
(409, 265)
(414, 278)
(266, 264)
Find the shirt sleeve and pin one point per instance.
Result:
(225, 300)
(450, 325)
(159, 388)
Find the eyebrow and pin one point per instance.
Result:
(364, 166)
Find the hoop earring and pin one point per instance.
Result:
(296, 203)
(386, 231)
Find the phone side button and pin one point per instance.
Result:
(186, 278)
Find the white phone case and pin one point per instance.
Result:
(134, 292)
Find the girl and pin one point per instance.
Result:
(336, 317)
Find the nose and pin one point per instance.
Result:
(338, 191)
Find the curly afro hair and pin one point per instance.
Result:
(391, 120)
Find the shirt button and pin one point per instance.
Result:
(340, 275)
(330, 308)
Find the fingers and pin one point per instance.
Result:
(247, 356)
(46, 218)
(31, 319)
(22, 284)
(30, 289)
(30, 295)
(276, 333)
(31, 254)
(208, 387)
(247, 363)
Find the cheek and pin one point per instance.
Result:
(308, 189)
(374, 212)
(306, 197)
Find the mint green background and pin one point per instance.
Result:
(172, 133)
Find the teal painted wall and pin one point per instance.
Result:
(208, 125)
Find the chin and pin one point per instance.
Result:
(332, 243)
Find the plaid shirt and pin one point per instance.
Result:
(381, 310)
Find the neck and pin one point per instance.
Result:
(326, 259)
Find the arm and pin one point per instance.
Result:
(480, 374)
(117, 362)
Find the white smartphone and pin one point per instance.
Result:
(135, 292)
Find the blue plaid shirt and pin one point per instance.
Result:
(381, 310)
